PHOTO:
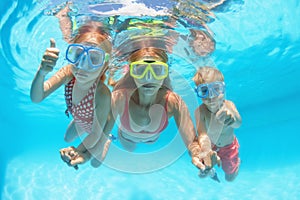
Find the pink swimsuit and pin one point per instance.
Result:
(83, 112)
(126, 122)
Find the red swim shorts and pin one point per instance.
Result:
(229, 156)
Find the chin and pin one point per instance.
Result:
(149, 89)
(212, 106)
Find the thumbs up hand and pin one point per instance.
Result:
(49, 58)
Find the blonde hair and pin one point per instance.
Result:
(207, 74)
(92, 29)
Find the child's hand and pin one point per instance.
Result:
(206, 160)
(226, 115)
(49, 58)
(72, 157)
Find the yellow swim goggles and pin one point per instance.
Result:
(139, 69)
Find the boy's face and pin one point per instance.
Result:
(212, 94)
(215, 103)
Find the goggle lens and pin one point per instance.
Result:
(139, 69)
(210, 90)
(95, 56)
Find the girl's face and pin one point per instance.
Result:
(148, 85)
(90, 55)
(85, 76)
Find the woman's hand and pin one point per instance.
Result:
(49, 58)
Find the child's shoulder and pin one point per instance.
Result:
(229, 103)
(102, 89)
(201, 109)
(120, 94)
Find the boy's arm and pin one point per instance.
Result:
(238, 120)
(228, 115)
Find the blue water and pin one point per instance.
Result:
(258, 46)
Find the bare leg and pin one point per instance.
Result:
(231, 177)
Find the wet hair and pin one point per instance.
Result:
(128, 82)
(93, 29)
(149, 51)
(207, 74)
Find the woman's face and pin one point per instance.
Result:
(148, 85)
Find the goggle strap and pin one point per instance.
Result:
(107, 57)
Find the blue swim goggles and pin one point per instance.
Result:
(210, 90)
(96, 56)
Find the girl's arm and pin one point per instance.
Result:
(102, 110)
(182, 118)
(208, 156)
(99, 150)
(199, 148)
(40, 88)
(236, 115)
(186, 128)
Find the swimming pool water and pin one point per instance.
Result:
(258, 46)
